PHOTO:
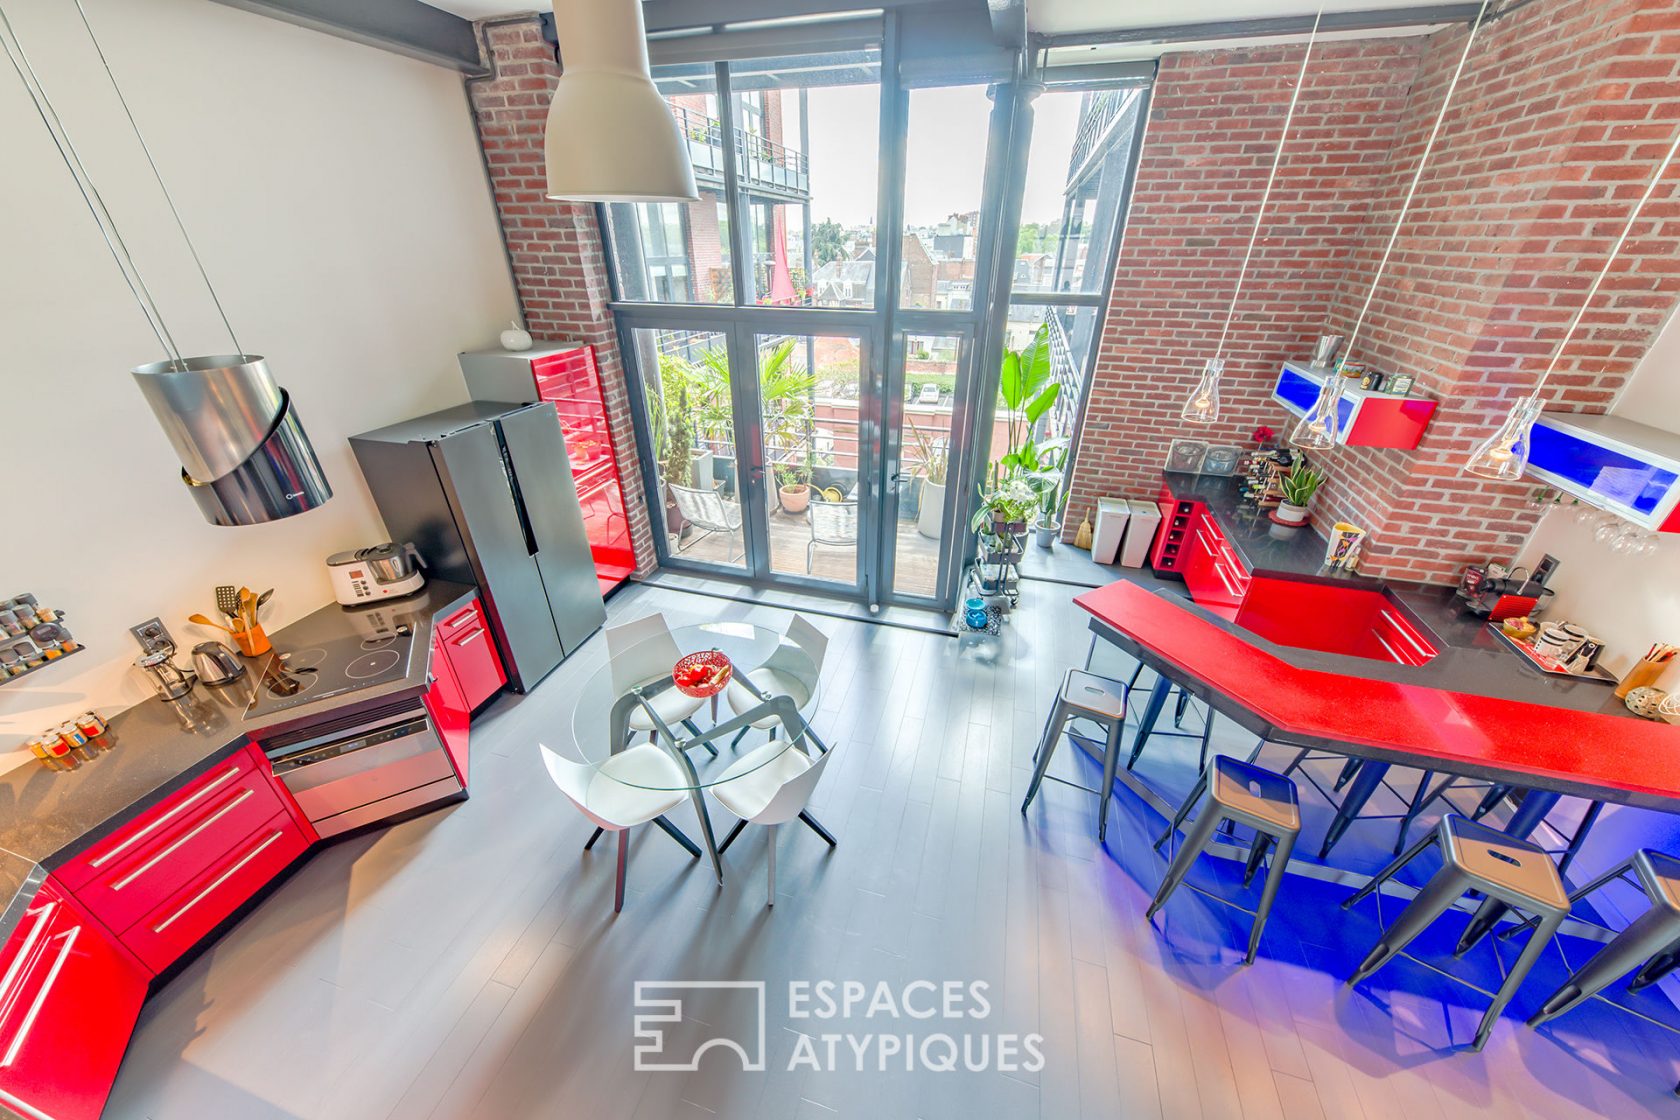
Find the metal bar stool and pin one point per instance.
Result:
(1096, 699)
(1244, 794)
(1473, 858)
(1151, 715)
(1651, 942)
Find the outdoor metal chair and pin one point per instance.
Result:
(710, 512)
(832, 523)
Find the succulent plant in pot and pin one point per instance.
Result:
(1298, 488)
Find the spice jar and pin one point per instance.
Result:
(92, 724)
(9, 623)
(78, 743)
(44, 754)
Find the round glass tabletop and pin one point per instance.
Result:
(636, 724)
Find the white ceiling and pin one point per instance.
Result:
(487, 9)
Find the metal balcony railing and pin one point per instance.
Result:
(1096, 116)
(764, 165)
(1067, 373)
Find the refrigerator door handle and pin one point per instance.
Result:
(518, 497)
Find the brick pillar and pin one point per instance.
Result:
(559, 263)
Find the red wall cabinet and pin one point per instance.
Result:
(69, 997)
(569, 377)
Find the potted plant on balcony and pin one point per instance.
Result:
(936, 465)
(1298, 487)
(794, 484)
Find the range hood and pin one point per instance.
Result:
(244, 456)
(1615, 464)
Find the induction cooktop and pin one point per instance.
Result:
(292, 678)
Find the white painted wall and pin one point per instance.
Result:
(337, 196)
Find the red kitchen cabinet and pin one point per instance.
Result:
(447, 704)
(220, 888)
(69, 997)
(1333, 618)
(1213, 573)
(466, 646)
(568, 377)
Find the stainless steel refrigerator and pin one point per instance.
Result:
(485, 492)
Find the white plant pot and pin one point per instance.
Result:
(1045, 535)
(1291, 514)
(700, 471)
(930, 519)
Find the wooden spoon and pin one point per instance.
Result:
(203, 621)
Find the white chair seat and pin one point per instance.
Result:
(673, 707)
(747, 787)
(636, 785)
(774, 682)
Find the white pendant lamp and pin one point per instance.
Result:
(1202, 406)
(1503, 456)
(1316, 431)
(610, 135)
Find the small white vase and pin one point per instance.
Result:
(516, 338)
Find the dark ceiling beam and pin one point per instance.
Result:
(1009, 22)
(1421, 16)
(407, 27)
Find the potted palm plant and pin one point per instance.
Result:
(1298, 487)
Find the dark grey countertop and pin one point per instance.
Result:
(47, 817)
(1472, 659)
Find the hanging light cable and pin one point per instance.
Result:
(244, 454)
(1202, 406)
(1504, 455)
(1317, 429)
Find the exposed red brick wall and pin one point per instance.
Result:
(1213, 127)
(558, 261)
(1563, 111)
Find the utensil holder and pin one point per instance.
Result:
(253, 641)
(1643, 673)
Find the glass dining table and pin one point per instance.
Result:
(769, 683)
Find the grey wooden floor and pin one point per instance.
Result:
(469, 965)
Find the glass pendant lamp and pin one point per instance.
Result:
(1503, 456)
(1203, 405)
(1317, 430)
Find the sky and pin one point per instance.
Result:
(946, 153)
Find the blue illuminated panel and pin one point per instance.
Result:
(1618, 480)
(1298, 392)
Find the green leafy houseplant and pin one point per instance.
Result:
(1301, 484)
(1027, 392)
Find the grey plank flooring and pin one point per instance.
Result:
(467, 965)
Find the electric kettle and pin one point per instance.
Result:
(216, 664)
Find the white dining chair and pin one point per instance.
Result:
(782, 674)
(615, 794)
(643, 651)
(769, 787)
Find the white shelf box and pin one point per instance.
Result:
(1630, 469)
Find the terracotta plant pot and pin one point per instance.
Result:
(795, 499)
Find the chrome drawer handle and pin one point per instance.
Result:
(24, 952)
(173, 848)
(130, 842)
(218, 881)
(470, 639)
(28, 1024)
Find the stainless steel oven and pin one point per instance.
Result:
(365, 768)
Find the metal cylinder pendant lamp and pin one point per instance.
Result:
(1202, 406)
(1319, 428)
(245, 458)
(610, 136)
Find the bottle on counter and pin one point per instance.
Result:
(93, 725)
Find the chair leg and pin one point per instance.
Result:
(1201, 831)
(810, 551)
(1537, 941)
(811, 823)
(1420, 799)
(1047, 751)
(1436, 897)
(623, 862)
(771, 843)
(1388, 872)
(1655, 969)
(1090, 652)
(1268, 893)
(1111, 760)
(1644, 939)
(1580, 837)
(1207, 734)
(1256, 853)
(1146, 720)
(1349, 769)
(730, 839)
(1365, 783)
(739, 735)
(678, 835)
(1183, 809)
(593, 836)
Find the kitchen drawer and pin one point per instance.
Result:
(1399, 640)
(69, 998)
(176, 814)
(468, 616)
(451, 715)
(158, 865)
(160, 937)
(473, 658)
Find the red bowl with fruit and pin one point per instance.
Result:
(703, 674)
